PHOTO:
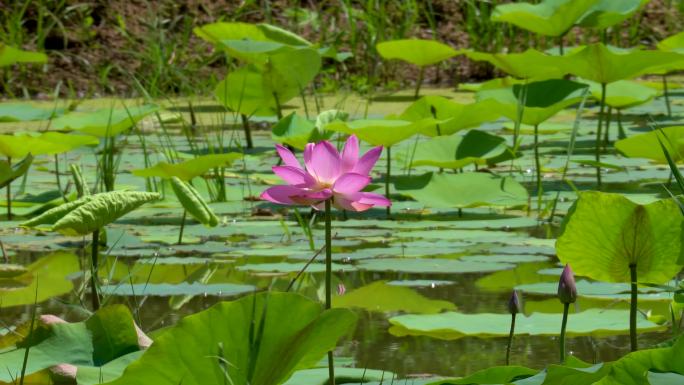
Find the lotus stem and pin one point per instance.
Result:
(328, 281)
(606, 132)
(279, 109)
(667, 96)
(633, 308)
(598, 135)
(537, 165)
(510, 339)
(182, 227)
(9, 193)
(93, 270)
(561, 49)
(419, 82)
(248, 133)
(387, 177)
(59, 182)
(564, 324)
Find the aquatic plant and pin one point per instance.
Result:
(192, 203)
(608, 237)
(514, 307)
(328, 179)
(87, 216)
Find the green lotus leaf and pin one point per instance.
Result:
(381, 297)
(493, 375)
(91, 212)
(453, 325)
(53, 215)
(258, 340)
(416, 51)
(193, 203)
(216, 32)
(26, 112)
(105, 336)
(530, 64)
(104, 122)
(541, 100)
(604, 233)
(110, 371)
(8, 172)
(297, 131)
(10, 55)
(431, 265)
(471, 189)
(503, 82)
(603, 64)
(647, 146)
(548, 18)
(245, 91)
(288, 73)
(62, 143)
(451, 116)
(188, 169)
(673, 43)
(381, 132)
(456, 151)
(658, 378)
(635, 367)
(319, 376)
(623, 93)
(607, 13)
(19, 146)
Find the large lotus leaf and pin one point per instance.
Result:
(92, 212)
(416, 51)
(257, 340)
(105, 336)
(296, 131)
(453, 325)
(188, 169)
(245, 91)
(607, 13)
(634, 368)
(471, 189)
(25, 112)
(10, 55)
(647, 146)
(530, 64)
(381, 297)
(541, 100)
(604, 233)
(623, 93)
(95, 375)
(548, 18)
(104, 122)
(44, 279)
(602, 64)
(452, 117)
(381, 132)
(456, 151)
(217, 32)
(288, 73)
(62, 143)
(193, 203)
(658, 378)
(673, 43)
(19, 146)
(493, 375)
(53, 215)
(8, 172)
(431, 265)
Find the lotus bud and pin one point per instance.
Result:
(514, 304)
(341, 289)
(567, 290)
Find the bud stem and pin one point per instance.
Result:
(510, 339)
(328, 281)
(566, 308)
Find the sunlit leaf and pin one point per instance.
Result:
(9, 173)
(456, 151)
(530, 64)
(451, 116)
(188, 169)
(105, 121)
(193, 203)
(646, 145)
(548, 17)
(416, 51)
(381, 297)
(623, 93)
(607, 13)
(10, 55)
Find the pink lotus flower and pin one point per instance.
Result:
(327, 175)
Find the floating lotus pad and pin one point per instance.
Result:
(382, 297)
(604, 290)
(320, 376)
(462, 190)
(184, 288)
(26, 112)
(431, 266)
(452, 325)
(284, 267)
(104, 122)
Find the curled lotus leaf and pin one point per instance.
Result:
(193, 202)
(8, 172)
